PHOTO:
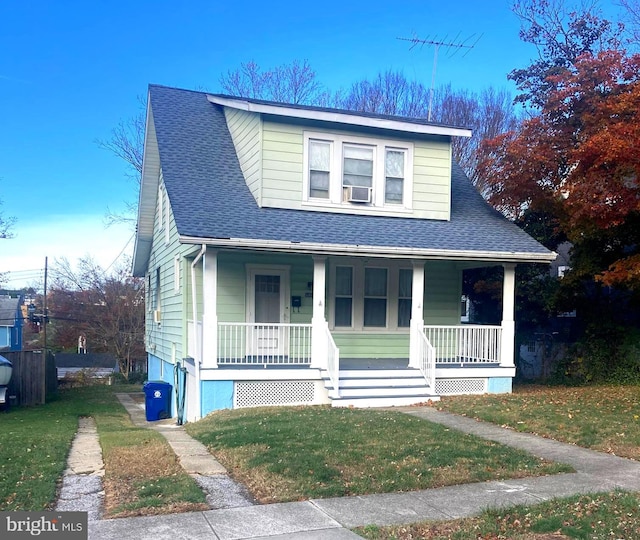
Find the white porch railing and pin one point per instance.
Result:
(333, 363)
(426, 359)
(465, 344)
(264, 344)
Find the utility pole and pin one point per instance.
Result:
(437, 44)
(44, 335)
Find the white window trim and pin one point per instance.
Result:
(337, 141)
(357, 307)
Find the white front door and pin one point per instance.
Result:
(268, 309)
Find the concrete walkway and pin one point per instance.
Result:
(330, 518)
(221, 491)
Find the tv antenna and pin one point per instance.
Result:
(454, 45)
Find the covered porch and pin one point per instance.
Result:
(465, 357)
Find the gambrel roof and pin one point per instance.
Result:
(188, 139)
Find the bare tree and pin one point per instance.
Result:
(487, 114)
(6, 224)
(562, 31)
(127, 143)
(288, 83)
(108, 308)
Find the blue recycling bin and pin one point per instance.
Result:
(157, 402)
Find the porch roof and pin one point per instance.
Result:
(212, 204)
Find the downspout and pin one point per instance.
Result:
(194, 302)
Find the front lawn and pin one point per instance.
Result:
(142, 474)
(295, 453)
(604, 418)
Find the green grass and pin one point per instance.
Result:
(604, 418)
(293, 453)
(592, 517)
(35, 442)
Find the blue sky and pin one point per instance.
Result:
(71, 71)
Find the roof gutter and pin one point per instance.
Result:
(339, 117)
(371, 251)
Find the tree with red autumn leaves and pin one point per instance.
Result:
(578, 159)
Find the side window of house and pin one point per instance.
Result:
(344, 296)
(160, 208)
(157, 291)
(176, 274)
(405, 289)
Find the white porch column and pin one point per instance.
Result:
(318, 320)
(209, 311)
(507, 346)
(417, 311)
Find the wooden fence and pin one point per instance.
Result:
(33, 380)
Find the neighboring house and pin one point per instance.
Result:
(298, 254)
(99, 365)
(11, 322)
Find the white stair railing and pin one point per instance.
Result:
(333, 364)
(426, 358)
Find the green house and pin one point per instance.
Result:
(303, 255)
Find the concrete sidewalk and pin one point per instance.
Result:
(330, 518)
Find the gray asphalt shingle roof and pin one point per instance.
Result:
(210, 199)
(8, 310)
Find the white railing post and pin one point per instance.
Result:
(417, 314)
(319, 325)
(507, 349)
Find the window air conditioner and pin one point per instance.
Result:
(358, 194)
(157, 316)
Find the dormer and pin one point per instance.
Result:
(330, 160)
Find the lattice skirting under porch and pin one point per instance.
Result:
(262, 393)
(448, 387)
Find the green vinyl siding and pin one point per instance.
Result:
(282, 149)
(443, 290)
(432, 179)
(271, 156)
(232, 286)
(162, 338)
(246, 135)
(358, 345)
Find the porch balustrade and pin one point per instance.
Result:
(333, 363)
(264, 344)
(426, 359)
(465, 344)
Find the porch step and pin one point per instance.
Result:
(380, 388)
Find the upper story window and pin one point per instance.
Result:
(319, 168)
(357, 171)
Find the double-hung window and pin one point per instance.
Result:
(357, 166)
(339, 169)
(375, 297)
(405, 289)
(319, 168)
(343, 315)
(394, 172)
